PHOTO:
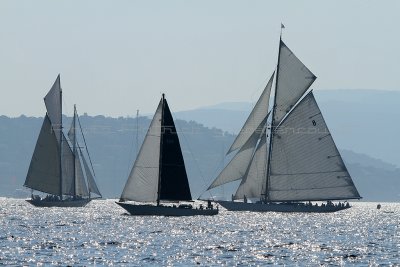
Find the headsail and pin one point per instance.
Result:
(237, 167)
(256, 116)
(293, 80)
(90, 179)
(142, 183)
(254, 181)
(44, 173)
(305, 162)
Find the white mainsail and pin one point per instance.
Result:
(44, 169)
(293, 80)
(254, 182)
(256, 116)
(305, 162)
(142, 183)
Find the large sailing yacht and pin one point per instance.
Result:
(58, 166)
(291, 160)
(158, 180)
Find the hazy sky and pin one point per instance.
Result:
(118, 56)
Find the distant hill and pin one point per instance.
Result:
(112, 145)
(366, 121)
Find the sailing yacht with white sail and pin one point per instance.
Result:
(159, 173)
(292, 161)
(59, 167)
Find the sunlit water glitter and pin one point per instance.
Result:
(100, 234)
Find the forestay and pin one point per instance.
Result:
(305, 162)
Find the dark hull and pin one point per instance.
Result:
(65, 203)
(278, 207)
(150, 210)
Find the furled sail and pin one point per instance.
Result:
(256, 116)
(237, 167)
(142, 183)
(53, 105)
(305, 162)
(254, 181)
(44, 169)
(90, 179)
(174, 184)
(293, 80)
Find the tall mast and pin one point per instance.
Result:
(161, 150)
(74, 149)
(137, 132)
(60, 154)
(272, 123)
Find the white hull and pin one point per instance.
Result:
(278, 207)
(150, 210)
(65, 203)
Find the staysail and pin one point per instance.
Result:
(44, 169)
(254, 181)
(305, 162)
(237, 167)
(293, 80)
(255, 118)
(92, 186)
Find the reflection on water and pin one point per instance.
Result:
(101, 234)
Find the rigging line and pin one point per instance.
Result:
(84, 141)
(131, 149)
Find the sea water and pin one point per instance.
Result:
(102, 234)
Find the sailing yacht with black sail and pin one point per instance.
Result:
(159, 173)
(292, 161)
(56, 168)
